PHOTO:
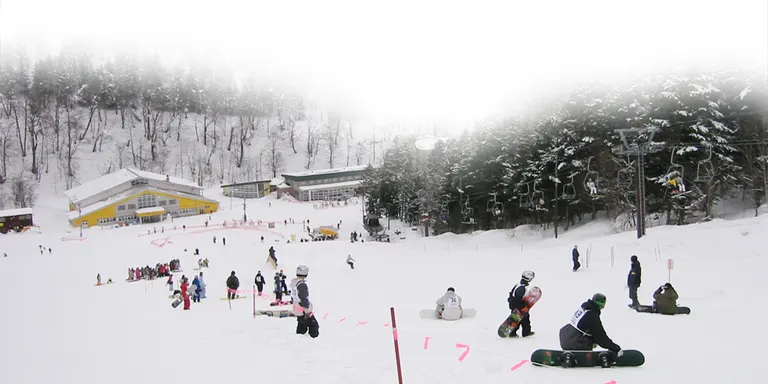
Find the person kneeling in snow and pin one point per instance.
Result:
(351, 261)
(449, 306)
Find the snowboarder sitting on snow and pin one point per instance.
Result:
(302, 307)
(351, 261)
(665, 300)
(233, 283)
(585, 330)
(516, 302)
(449, 306)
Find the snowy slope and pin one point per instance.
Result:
(58, 327)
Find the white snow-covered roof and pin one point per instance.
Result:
(124, 195)
(116, 178)
(277, 181)
(352, 183)
(326, 171)
(150, 210)
(159, 177)
(16, 212)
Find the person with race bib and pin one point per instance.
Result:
(585, 330)
(449, 306)
(302, 307)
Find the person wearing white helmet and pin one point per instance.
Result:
(516, 301)
(449, 306)
(302, 307)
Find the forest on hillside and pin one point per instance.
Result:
(557, 164)
(191, 121)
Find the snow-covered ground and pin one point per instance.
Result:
(57, 327)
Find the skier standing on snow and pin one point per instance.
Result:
(585, 330)
(449, 306)
(516, 301)
(233, 283)
(302, 307)
(196, 290)
(351, 261)
(575, 255)
(278, 291)
(633, 281)
(184, 293)
(203, 289)
(259, 282)
(283, 284)
(665, 300)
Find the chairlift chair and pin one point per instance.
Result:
(524, 195)
(675, 169)
(591, 177)
(704, 169)
(537, 197)
(569, 190)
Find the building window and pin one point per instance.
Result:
(172, 202)
(138, 182)
(147, 200)
(162, 203)
(131, 206)
(121, 207)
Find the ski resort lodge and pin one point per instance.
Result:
(130, 196)
(326, 184)
(15, 219)
(247, 190)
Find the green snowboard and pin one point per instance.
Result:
(582, 359)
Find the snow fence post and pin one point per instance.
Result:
(613, 260)
(397, 347)
(670, 267)
(254, 301)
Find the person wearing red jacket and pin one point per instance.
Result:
(184, 295)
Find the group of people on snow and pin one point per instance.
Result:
(150, 273)
(197, 290)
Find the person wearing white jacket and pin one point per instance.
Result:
(351, 261)
(449, 306)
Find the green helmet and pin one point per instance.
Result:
(599, 299)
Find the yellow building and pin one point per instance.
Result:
(130, 196)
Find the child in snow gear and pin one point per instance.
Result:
(449, 306)
(196, 290)
(184, 294)
(302, 307)
(283, 284)
(98, 279)
(585, 330)
(278, 290)
(233, 283)
(351, 261)
(170, 283)
(203, 289)
(259, 282)
(516, 302)
(575, 256)
(633, 281)
(665, 300)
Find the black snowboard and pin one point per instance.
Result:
(585, 359)
(649, 309)
(177, 300)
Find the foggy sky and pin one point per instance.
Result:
(411, 60)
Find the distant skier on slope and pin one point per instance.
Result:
(634, 280)
(302, 307)
(351, 261)
(585, 330)
(233, 283)
(516, 301)
(449, 306)
(575, 256)
(259, 281)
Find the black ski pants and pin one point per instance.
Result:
(525, 323)
(260, 287)
(351, 265)
(576, 264)
(304, 324)
(633, 294)
(231, 293)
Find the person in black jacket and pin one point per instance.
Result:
(259, 282)
(575, 256)
(233, 283)
(585, 330)
(633, 281)
(515, 301)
